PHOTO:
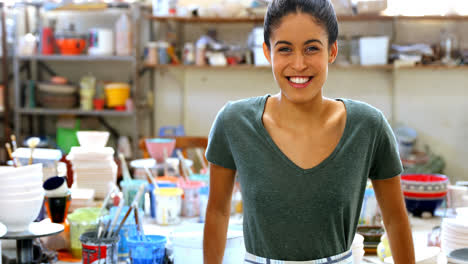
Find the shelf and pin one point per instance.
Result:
(249, 67)
(351, 18)
(435, 67)
(77, 58)
(234, 67)
(334, 66)
(207, 19)
(46, 111)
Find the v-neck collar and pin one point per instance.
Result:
(283, 156)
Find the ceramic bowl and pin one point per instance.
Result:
(92, 139)
(21, 195)
(371, 234)
(20, 212)
(424, 183)
(156, 146)
(16, 187)
(21, 175)
(417, 206)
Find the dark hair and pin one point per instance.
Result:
(321, 10)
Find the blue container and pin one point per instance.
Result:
(151, 251)
(150, 188)
(129, 229)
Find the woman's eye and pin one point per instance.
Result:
(312, 49)
(284, 49)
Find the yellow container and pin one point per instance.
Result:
(117, 94)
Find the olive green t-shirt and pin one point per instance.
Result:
(299, 214)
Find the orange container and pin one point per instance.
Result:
(71, 46)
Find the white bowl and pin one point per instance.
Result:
(15, 187)
(427, 255)
(21, 195)
(92, 139)
(9, 175)
(20, 213)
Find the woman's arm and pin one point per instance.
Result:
(217, 213)
(390, 199)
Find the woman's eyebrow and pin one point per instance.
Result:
(283, 42)
(312, 41)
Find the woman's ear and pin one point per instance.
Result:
(333, 52)
(267, 53)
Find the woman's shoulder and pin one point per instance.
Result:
(364, 112)
(244, 107)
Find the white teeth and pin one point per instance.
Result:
(299, 80)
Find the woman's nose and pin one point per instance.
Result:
(299, 62)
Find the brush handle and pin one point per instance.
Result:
(116, 217)
(200, 157)
(186, 171)
(149, 176)
(123, 220)
(166, 169)
(138, 195)
(125, 171)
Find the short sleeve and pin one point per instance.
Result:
(386, 163)
(219, 149)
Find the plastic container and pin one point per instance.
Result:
(204, 194)
(150, 251)
(156, 146)
(168, 205)
(117, 94)
(99, 251)
(129, 229)
(374, 50)
(200, 177)
(130, 189)
(123, 36)
(66, 137)
(81, 220)
(406, 138)
(191, 198)
(152, 195)
(48, 157)
(188, 245)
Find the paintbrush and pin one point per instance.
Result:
(186, 171)
(123, 221)
(125, 171)
(14, 147)
(139, 225)
(149, 178)
(8, 148)
(13, 142)
(32, 144)
(202, 160)
(138, 195)
(106, 228)
(166, 169)
(116, 217)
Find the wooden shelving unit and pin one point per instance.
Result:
(356, 18)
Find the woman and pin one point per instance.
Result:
(302, 159)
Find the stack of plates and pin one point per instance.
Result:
(94, 169)
(454, 234)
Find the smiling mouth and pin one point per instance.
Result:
(300, 80)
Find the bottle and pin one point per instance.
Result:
(123, 36)
(189, 53)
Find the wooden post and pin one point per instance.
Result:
(6, 96)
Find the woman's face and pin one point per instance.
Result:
(299, 54)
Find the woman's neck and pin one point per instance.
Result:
(306, 115)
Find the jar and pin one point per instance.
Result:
(152, 53)
(189, 54)
(163, 56)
